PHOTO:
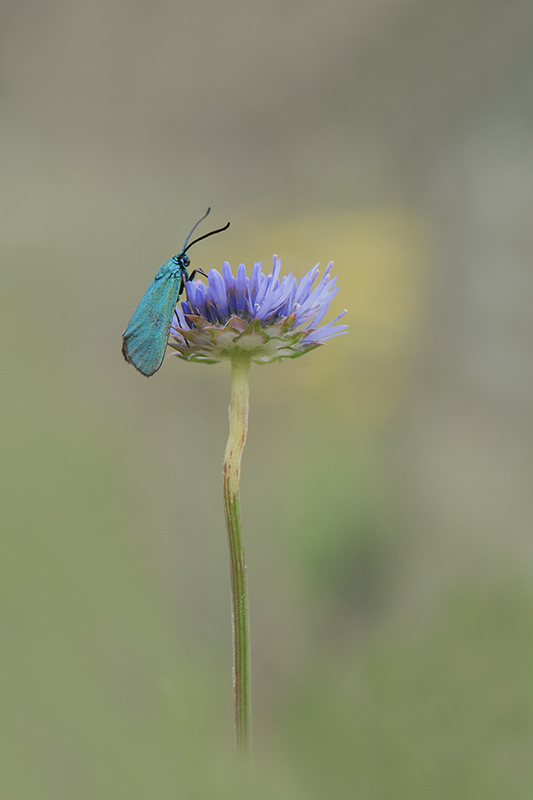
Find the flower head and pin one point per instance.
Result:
(267, 317)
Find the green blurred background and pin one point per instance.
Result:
(386, 491)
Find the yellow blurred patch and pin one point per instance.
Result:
(381, 259)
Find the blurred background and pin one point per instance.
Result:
(386, 492)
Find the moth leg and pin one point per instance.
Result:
(197, 271)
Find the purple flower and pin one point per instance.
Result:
(269, 318)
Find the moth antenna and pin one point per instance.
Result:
(211, 233)
(194, 228)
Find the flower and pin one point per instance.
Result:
(269, 318)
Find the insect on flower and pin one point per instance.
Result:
(145, 339)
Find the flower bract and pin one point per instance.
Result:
(268, 317)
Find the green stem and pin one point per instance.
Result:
(231, 475)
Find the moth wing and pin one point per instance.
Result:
(145, 339)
